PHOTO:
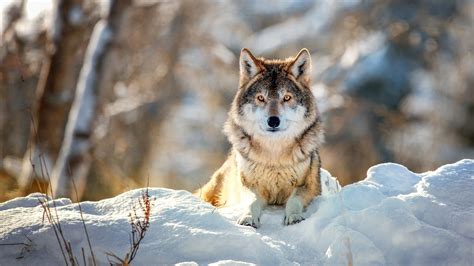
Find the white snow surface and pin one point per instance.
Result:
(37, 16)
(393, 217)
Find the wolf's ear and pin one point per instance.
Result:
(300, 68)
(249, 65)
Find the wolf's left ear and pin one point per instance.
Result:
(249, 65)
(300, 68)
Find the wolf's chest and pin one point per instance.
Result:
(273, 183)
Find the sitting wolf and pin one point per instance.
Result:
(275, 130)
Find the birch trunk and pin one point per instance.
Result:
(75, 156)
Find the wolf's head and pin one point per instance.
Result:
(274, 98)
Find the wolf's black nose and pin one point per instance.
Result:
(273, 121)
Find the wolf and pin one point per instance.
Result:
(275, 130)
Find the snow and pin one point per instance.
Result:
(36, 18)
(393, 217)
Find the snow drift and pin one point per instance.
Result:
(392, 217)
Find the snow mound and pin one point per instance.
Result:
(393, 217)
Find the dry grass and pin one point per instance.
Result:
(52, 215)
(140, 225)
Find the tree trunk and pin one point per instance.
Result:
(75, 156)
(54, 91)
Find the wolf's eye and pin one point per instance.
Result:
(287, 98)
(260, 98)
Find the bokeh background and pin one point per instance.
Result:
(394, 82)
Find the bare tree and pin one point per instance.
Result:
(75, 156)
(65, 48)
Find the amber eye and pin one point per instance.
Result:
(260, 98)
(287, 98)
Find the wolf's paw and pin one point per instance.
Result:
(293, 219)
(249, 220)
(293, 211)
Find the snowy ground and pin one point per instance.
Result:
(393, 217)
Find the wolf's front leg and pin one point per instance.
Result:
(252, 216)
(293, 210)
(304, 194)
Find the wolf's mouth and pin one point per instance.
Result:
(273, 129)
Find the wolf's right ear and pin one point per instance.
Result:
(249, 66)
(300, 68)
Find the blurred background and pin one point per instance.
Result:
(115, 93)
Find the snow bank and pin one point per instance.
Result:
(392, 217)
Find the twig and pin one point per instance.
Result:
(53, 219)
(82, 220)
(139, 226)
(83, 256)
(26, 247)
(13, 244)
(46, 209)
(47, 212)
